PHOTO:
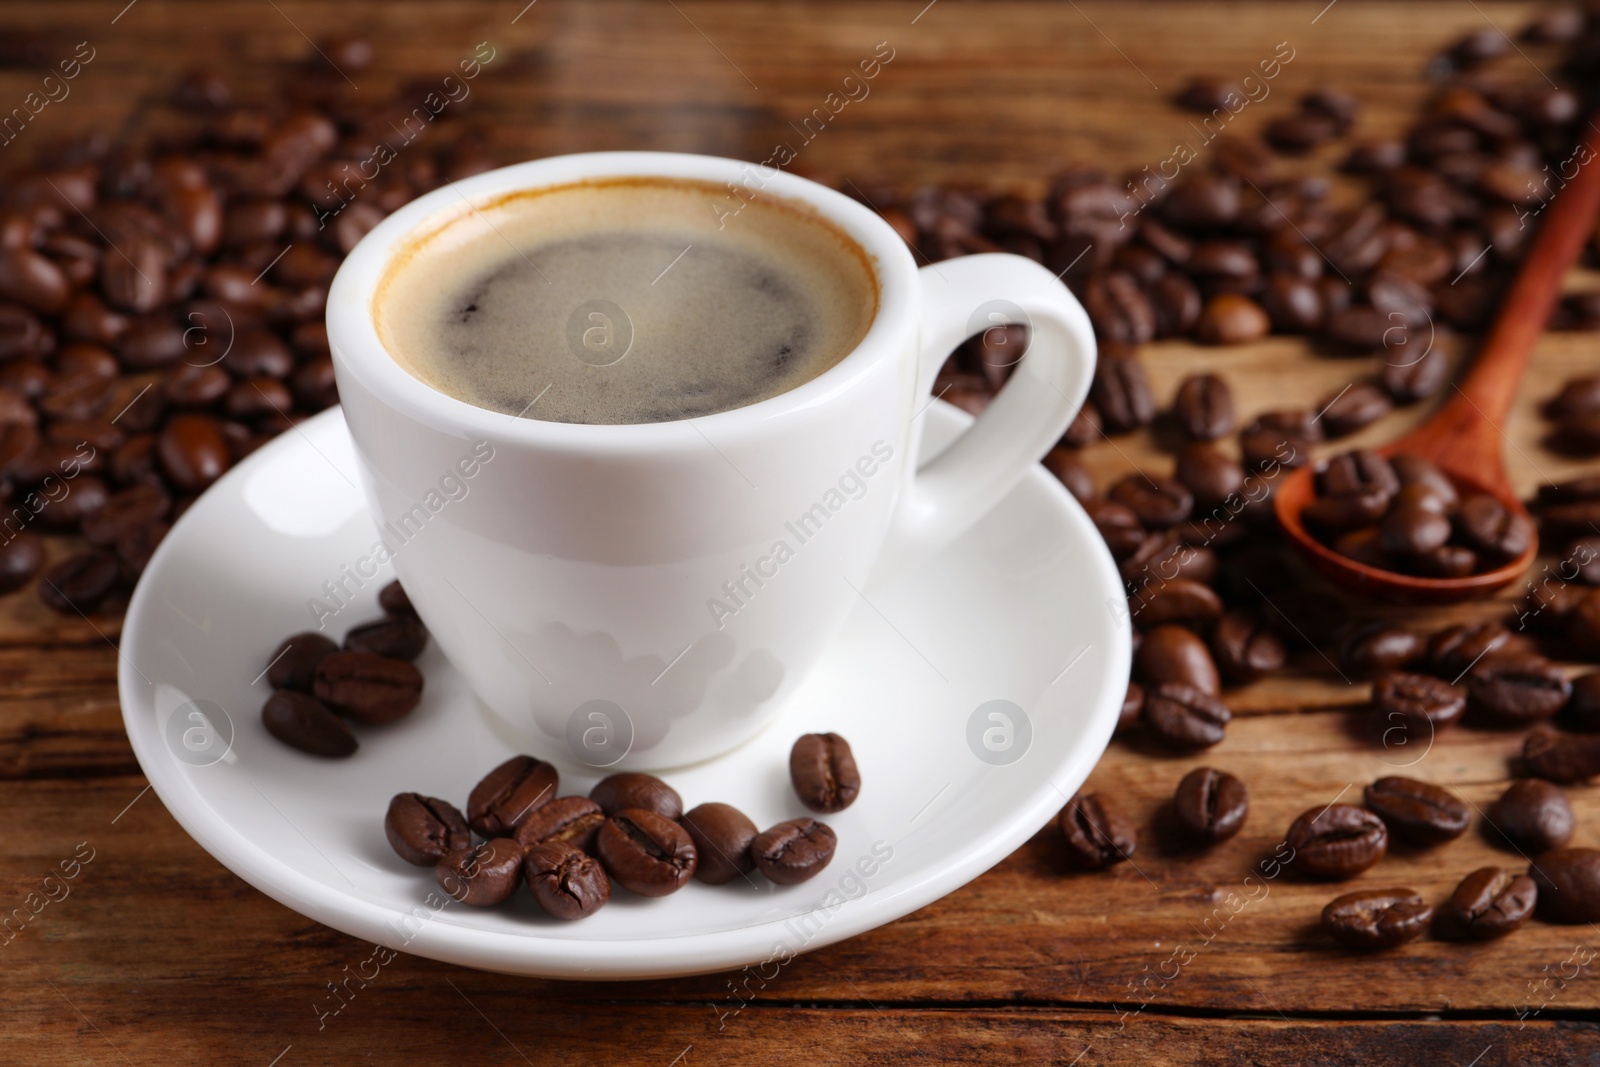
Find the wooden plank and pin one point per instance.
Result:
(1163, 928)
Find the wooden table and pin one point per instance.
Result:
(160, 955)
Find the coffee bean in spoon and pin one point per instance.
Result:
(567, 882)
(722, 836)
(1377, 918)
(564, 821)
(1492, 902)
(510, 793)
(794, 851)
(632, 790)
(482, 876)
(422, 829)
(294, 664)
(374, 689)
(824, 773)
(396, 636)
(304, 722)
(1211, 805)
(646, 852)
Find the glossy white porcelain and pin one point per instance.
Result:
(650, 596)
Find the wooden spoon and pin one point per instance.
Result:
(1463, 437)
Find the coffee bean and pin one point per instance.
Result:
(125, 512)
(1184, 717)
(1158, 502)
(1348, 511)
(1175, 654)
(565, 821)
(1418, 812)
(1492, 902)
(1098, 835)
(1132, 707)
(1070, 472)
(1244, 648)
(1355, 407)
(1203, 407)
(1532, 815)
(1583, 708)
(1455, 649)
(483, 876)
(1568, 881)
(567, 883)
(1583, 556)
(305, 723)
(1084, 430)
(1488, 527)
(1300, 132)
(1407, 706)
(1294, 304)
(618, 792)
(1337, 842)
(1412, 531)
(396, 636)
(1377, 918)
(1182, 601)
(1121, 392)
(1119, 527)
(1583, 626)
(1380, 647)
(1577, 396)
(1177, 305)
(374, 689)
(393, 600)
(823, 770)
(79, 584)
(794, 851)
(1202, 201)
(33, 280)
(21, 558)
(1232, 319)
(1362, 471)
(1205, 95)
(1211, 804)
(1119, 310)
(722, 836)
(1559, 757)
(193, 451)
(421, 829)
(645, 852)
(1209, 474)
(1518, 689)
(508, 794)
(294, 664)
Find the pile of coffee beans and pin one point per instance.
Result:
(317, 685)
(631, 831)
(1404, 514)
(161, 307)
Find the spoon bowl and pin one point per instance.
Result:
(1463, 438)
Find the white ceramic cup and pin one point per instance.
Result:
(646, 596)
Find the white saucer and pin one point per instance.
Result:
(1016, 611)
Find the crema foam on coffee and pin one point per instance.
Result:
(626, 301)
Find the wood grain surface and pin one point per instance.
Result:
(157, 954)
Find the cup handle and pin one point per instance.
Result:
(961, 297)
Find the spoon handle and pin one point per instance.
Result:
(1565, 226)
